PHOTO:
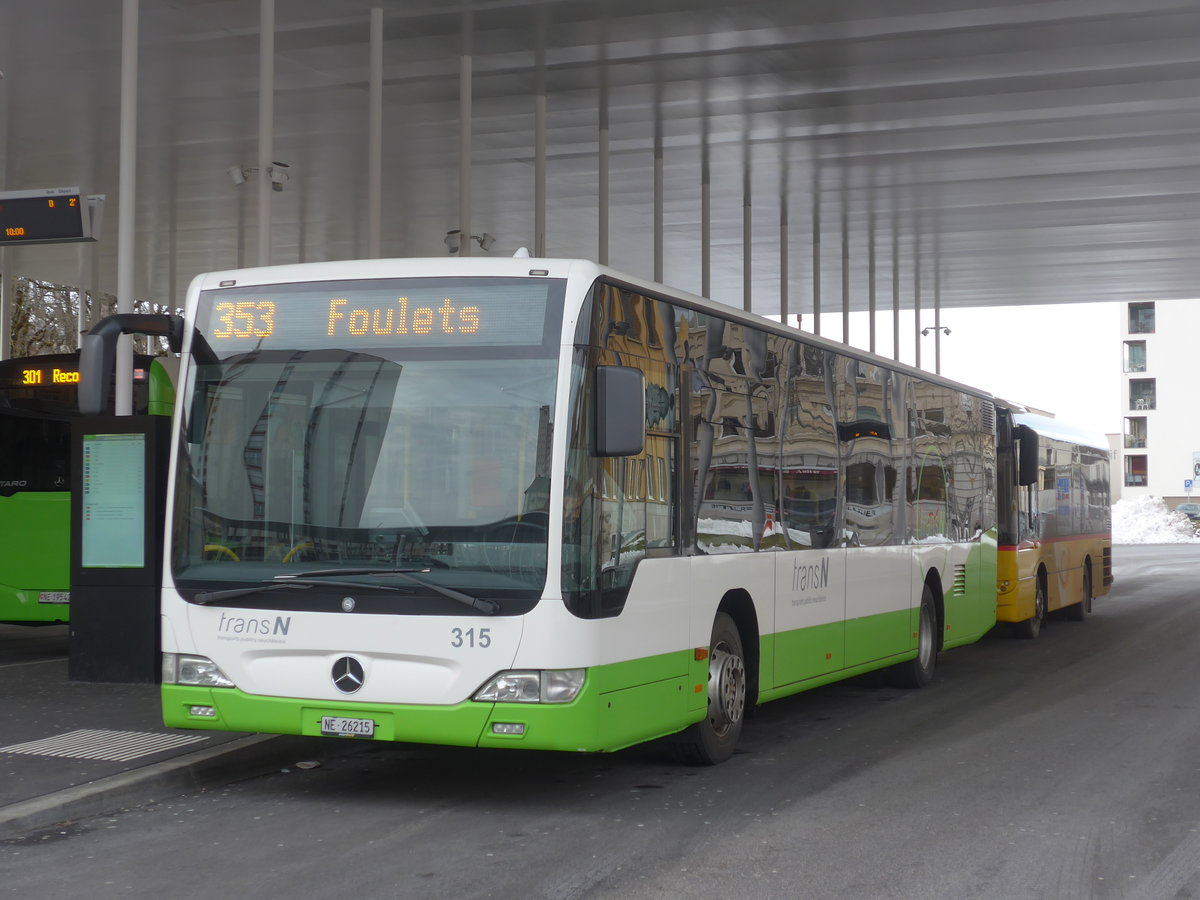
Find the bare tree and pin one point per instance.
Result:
(155, 346)
(46, 318)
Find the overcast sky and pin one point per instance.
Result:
(1065, 358)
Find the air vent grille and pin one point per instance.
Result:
(960, 581)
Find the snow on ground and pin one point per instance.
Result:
(1147, 520)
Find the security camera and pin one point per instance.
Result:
(236, 174)
(486, 241)
(279, 175)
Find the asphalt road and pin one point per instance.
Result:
(33, 643)
(1066, 767)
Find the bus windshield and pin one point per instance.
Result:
(364, 457)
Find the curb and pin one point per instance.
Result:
(235, 760)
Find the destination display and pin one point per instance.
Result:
(32, 374)
(443, 312)
(36, 377)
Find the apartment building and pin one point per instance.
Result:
(1160, 447)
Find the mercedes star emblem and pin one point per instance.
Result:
(348, 675)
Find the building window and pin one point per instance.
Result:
(1135, 432)
(1135, 471)
(1141, 393)
(1135, 356)
(1141, 318)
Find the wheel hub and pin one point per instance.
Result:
(726, 689)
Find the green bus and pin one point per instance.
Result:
(38, 400)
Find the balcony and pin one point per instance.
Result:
(1142, 393)
(1141, 318)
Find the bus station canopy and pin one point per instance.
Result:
(984, 152)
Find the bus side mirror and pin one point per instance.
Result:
(620, 397)
(98, 352)
(1027, 455)
(97, 359)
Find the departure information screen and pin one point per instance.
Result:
(377, 314)
(43, 217)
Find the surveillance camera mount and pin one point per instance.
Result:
(453, 240)
(276, 171)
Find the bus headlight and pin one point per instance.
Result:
(533, 686)
(200, 671)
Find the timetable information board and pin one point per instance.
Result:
(113, 501)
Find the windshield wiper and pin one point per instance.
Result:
(229, 593)
(298, 582)
(488, 607)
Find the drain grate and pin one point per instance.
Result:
(99, 743)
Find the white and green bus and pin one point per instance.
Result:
(535, 503)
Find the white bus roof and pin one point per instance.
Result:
(521, 267)
(1063, 431)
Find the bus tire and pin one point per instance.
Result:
(1077, 612)
(918, 672)
(1032, 627)
(712, 740)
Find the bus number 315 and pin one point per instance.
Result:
(470, 638)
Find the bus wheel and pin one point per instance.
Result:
(1031, 628)
(1077, 612)
(712, 740)
(918, 672)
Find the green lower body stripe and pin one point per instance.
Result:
(614, 710)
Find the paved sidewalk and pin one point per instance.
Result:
(70, 749)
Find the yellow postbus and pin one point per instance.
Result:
(1055, 541)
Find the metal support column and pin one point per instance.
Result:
(8, 286)
(266, 125)
(539, 140)
(895, 279)
(917, 293)
(784, 275)
(705, 214)
(659, 192)
(127, 192)
(816, 252)
(602, 175)
(845, 268)
(747, 233)
(871, 268)
(464, 140)
(375, 137)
